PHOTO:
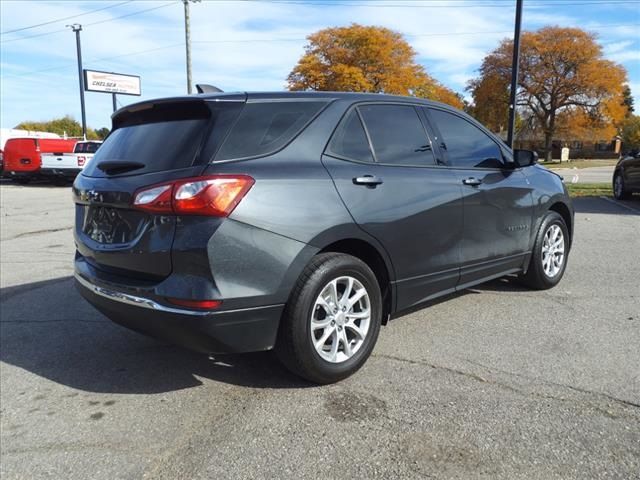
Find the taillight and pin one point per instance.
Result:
(201, 304)
(215, 195)
(154, 199)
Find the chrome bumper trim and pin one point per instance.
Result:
(135, 300)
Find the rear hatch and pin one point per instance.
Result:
(150, 143)
(59, 161)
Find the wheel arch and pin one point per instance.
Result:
(375, 260)
(565, 212)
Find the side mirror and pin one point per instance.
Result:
(525, 158)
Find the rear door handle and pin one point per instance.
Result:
(367, 180)
(473, 181)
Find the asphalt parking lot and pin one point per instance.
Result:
(496, 382)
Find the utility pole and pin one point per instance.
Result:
(77, 28)
(187, 40)
(514, 74)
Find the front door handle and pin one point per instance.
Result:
(367, 180)
(472, 181)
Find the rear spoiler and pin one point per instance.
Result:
(160, 108)
(204, 88)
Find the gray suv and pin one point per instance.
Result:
(302, 222)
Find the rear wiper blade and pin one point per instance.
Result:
(113, 167)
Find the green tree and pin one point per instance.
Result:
(631, 133)
(627, 99)
(102, 132)
(66, 125)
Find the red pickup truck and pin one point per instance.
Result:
(22, 157)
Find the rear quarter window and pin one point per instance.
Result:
(350, 140)
(265, 127)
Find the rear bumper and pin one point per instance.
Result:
(60, 172)
(220, 331)
(20, 173)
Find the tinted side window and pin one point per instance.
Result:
(350, 140)
(265, 127)
(467, 145)
(397, 134)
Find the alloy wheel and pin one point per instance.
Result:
(340, 319)
(553, 251)
(617, 187)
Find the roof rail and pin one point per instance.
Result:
(204, 88)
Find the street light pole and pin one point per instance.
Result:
(514, 74)
(77, 28)
(187, 40)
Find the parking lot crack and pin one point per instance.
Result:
(514, 389)
(431, 365)
(557, 384)
(37, 232)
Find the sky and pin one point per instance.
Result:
(251, 45)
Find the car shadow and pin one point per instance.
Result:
(607, 205)
(504, 284)
(47, 328)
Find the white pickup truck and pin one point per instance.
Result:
(68, 165)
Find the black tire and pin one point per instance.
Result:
(21, 180)
(620, 193)
(294, 346)
(60, 182)
(536, 277)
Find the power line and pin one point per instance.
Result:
(411, 35)
(312, 3)
(92, 23)
(59, 67)
(131, 14)
(467, 5)
(291, 39)
(64, 18)
(34, 36)
(434, 3)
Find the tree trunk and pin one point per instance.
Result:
(548, 149)
(550, 124)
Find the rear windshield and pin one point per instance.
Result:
(265, 127)
(158, 138)
(87, 147)
(161, 145)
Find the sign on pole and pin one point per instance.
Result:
(105, 82)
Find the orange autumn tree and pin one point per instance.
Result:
(565, 85)
(361, 58)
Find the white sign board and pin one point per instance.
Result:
(95, 81)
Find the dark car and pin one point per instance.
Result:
(626, 176)
(304, 221)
